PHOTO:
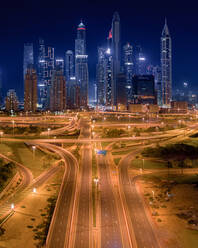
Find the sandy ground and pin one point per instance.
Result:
(172, 230)
(29, 213)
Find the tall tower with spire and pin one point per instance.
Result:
(115, 54)
(166, 66)
(81, 65)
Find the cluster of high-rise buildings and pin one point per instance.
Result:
(54, 83)
(124, 77)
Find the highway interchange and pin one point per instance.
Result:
(121, 220)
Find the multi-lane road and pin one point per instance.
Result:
(59, 231)
(83, 230)
(121, 222)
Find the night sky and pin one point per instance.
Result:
(56, 22)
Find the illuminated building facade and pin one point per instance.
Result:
(11, 101)
(30, 90)
(81, 65)
(28, 57)
(166, 66)
(115, 54)
(101, 76)
(144, 89)
(58, 92)
(69, 65)
(59, 63)
(128, 69)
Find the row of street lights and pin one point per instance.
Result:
(12, 206)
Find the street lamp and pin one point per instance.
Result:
(48, 130)
(12, 206)
(1, 133)
(34, 190)
(33, 150)
(13, 127)
(96, 180)
(143, 164)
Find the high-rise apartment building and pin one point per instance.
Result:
(101, 76)
(73, 93)
(144, 89)
(128, 69)
(115, 54)
(109, 72)
(121, 89)
(49, 68)
(11, 101)
(141, 65)
(166, 66)
(30, 90)
(60, 64)
(46, 65)
(58, 91)
(1, 86)
(82, 78)
(41, 73)
(28, 57)
(69, 65)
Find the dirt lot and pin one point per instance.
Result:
(176, 212)
(31, 212)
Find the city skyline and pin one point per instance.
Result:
(14, 77)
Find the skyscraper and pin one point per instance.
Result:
(28, 57)
(109, 71)
(41, 73)
(101, 76)
(121, 89)
(115, 54)
(82, 78)
(128, 69)
(60, 64)
(58, 91)
(80, 42)
(166, 66)
(81, 64)
(49, 68)
(30, 90)
(141, 67)
(11, 101)
(69, 64)
(1, 86)
(144, 89)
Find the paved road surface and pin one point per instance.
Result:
(110, 229)
(143, 230)
(58, 235)
(84, 218)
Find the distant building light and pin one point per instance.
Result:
(72, 78)
(128, 87)
(128, 63)
(142, 59)
(41, 61)
(59, 60)
(81, 56)
(108, 51)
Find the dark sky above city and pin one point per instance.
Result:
(56, 22)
